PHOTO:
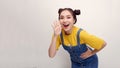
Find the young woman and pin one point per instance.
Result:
(75, 40)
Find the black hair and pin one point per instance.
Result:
(73, 12)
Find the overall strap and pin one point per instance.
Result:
(61, 37)
(78, 36)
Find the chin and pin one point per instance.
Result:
(66, 30)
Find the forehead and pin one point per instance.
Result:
(65, 13)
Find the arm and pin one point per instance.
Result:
(89, 53)
(94, 42)
(52, 48)
(96, 50)
(57, 30)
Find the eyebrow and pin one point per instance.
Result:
(63, 15)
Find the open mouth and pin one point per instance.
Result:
(65, 25)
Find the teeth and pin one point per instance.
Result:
(66, 25)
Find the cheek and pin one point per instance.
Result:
(60, 23)
(72, 21)
(60, 20)
(72, 24)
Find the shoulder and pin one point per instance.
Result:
(84, 33)
(75, 28)
(79, 30)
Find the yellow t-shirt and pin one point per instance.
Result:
(85, 38)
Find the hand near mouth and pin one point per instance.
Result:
(57, 28)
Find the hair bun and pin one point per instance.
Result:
(77, 12)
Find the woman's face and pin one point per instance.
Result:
(66, 20)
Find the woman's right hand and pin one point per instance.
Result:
(57, 28)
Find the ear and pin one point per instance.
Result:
(74, 22)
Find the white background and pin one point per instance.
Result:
(25, 31)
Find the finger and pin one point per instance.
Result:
(55, 23)
(57, 28)
(83, 56)
(89, 51)
(59, 23)
(53, 26)
(60, 28)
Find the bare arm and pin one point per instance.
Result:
(95, 50)
(52, 48)
(57, 30)
(89, 53)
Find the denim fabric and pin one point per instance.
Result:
(76, 51)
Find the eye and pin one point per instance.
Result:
(61, 17)
(68, 17)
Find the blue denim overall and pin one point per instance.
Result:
(76, 51)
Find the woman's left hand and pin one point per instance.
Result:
(86, 54)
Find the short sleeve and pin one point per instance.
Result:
(91, 40)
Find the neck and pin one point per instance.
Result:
(69, 31)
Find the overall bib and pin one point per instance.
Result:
(76, 51)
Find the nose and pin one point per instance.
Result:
(64, 20)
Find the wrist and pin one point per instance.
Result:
(94, 51)
(55, 36)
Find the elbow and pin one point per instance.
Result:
(51, 54)
(105, 44)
